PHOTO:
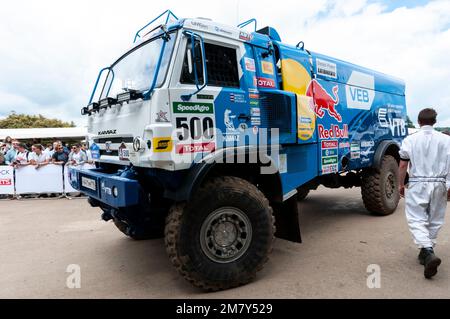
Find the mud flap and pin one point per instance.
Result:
(286, 220)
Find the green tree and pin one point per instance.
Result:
(409, 123)
(31, 121)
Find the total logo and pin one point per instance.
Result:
(333, 132)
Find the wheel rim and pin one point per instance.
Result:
(225, 235)
(390, 185)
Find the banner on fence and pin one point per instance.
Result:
(46, 179)
(6, 180)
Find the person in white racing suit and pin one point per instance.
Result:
(426, 154)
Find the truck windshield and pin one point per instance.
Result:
(135, 70)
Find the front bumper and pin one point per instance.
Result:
(110, 189)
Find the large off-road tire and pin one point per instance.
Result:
(379, 187)
(222, 237)
(302, 193)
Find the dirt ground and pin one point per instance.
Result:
(41, 238)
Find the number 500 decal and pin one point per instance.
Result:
(195, 128)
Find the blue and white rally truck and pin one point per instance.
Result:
(208, 135)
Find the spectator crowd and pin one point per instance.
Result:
(17, 154)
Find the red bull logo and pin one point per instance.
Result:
(323, 100)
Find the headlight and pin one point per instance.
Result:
(115, 191)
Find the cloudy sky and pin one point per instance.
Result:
(51, 50)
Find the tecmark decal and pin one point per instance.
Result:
(323, 100)
(195, 148)
(187, 107)
(360, 91)
(267, 67)
(266, 83)
(162, 144)
(333, 132)
(326, 68)
(250, 64)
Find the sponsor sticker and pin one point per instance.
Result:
(255, 111)
(367, 144)
(329, 156)
(237, 98)
(245, 36)
(162, 144)
(266, 82)
(195, 148)
(326, 68)
(250, 64)
(360, 91)
(267, 67)
(161, 117)
(355, 150)
(333, 132)
(124, 153)
(188, 107)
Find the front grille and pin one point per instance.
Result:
(110, 153)
(115, 140)
(276, 111)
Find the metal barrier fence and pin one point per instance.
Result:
(31, 180)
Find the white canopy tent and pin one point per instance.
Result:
(30, 133)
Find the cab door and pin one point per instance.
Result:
(219, 114)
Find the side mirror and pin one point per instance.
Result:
(189, 60)
(196, 60)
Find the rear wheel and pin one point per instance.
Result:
(223, 237)
(380, 187)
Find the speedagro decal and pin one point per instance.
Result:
(186, 107)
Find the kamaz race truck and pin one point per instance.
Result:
(208, 135)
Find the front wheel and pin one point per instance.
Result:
(379, 187)
(223, 237)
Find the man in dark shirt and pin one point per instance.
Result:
(60, 157)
